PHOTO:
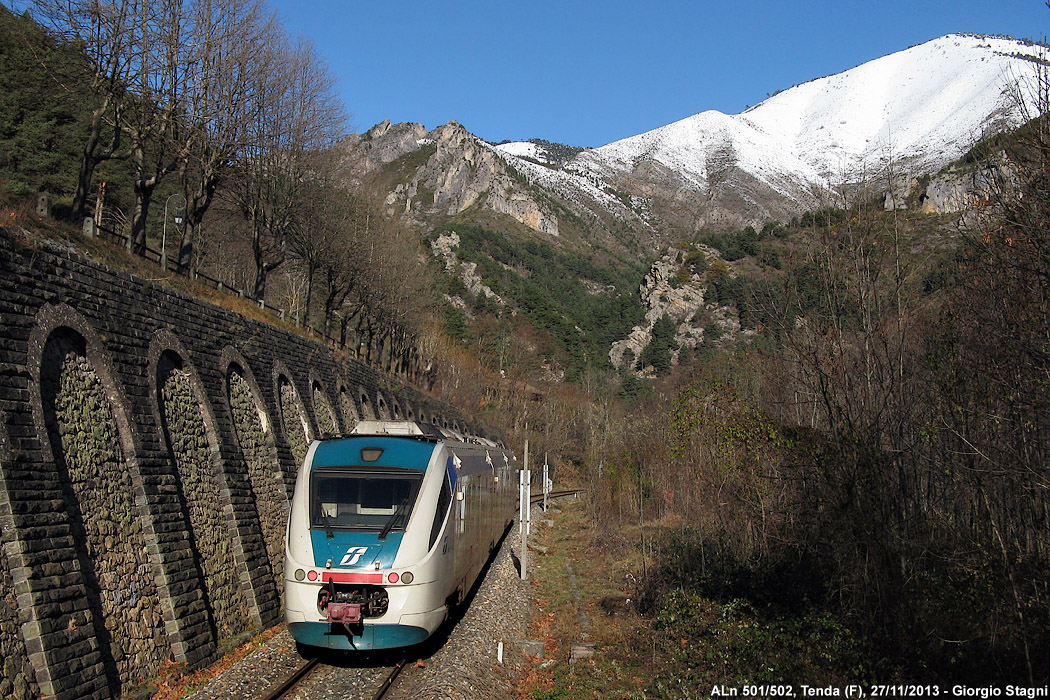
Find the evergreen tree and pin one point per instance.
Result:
(658, 352)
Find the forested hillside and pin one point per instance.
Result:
(213, 144)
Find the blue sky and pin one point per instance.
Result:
(588, 73)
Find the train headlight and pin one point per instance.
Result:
(300, 574)
(392, 577)
(407, 577)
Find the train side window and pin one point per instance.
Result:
(441, 511)
(463, 486)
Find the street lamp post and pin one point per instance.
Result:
(164, 235)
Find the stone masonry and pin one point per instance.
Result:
(149, 443)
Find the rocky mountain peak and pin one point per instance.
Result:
(382, 144)
(444, 172)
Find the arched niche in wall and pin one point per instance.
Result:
(367, 412)
(382, 410)
(80, 413)
(324, 414)
(396, 412)
(294, 421)
(348, 409)
(255, 437)
(188, 427)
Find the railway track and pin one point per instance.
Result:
(289, 684)
(538, 497)
(301, 678)
(298, 680)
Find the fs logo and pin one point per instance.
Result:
(352, 556)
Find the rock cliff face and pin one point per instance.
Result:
(380, 145)
(671, 289)
(954, 189)
(444, 248)
(957, 189)
(446, 171)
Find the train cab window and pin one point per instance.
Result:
(441, 512)
(363, 499)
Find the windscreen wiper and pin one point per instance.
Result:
(393, 519)
(327, 525)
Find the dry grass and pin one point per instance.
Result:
(173, 682)
(605, 579)
(28, 230)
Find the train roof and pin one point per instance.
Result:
(399, 428)
(417, 430)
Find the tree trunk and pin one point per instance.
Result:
(91, 156)
(143, 197)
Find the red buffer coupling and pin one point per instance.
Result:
(345, 613)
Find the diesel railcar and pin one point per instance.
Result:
(388, 527)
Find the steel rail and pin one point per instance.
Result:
(290, 683)
(293, 680)
(538, 497)
(391, 677)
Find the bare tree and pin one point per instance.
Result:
(152, 119)
(105, 33)
(302, 117)
(223, 96)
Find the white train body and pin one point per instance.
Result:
(387, 528)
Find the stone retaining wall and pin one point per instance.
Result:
(148, 448)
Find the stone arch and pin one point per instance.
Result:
(17, 675)
(188, 429)
(396, 412)
(294, 421)
(82, 419)
(347, 408)
(367, 412)
(382, 410)
(324, 414)
(410, 411)
(430, 414)
(253, 430)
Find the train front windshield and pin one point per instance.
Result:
(363, 499)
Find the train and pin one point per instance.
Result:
(388, 528)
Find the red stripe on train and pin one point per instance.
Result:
(340, 577)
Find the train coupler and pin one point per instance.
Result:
(346, 614)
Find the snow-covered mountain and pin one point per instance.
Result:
(918, 109)
(905, 115)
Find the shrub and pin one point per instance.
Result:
(658, 352)
(696, 261)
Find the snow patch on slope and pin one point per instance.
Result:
(926, 105)
(920, 108)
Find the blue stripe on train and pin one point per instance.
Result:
(326, 636)
(397, 452)
(354, 550)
